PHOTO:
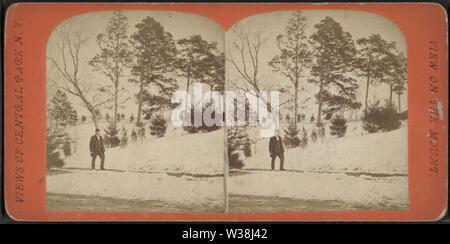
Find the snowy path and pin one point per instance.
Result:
(385, 192)
(249, 190)
(183, 190)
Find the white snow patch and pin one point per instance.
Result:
(140, 186)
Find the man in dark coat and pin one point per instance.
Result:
(276, 148)
(97, 149)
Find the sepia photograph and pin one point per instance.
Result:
(219, 113)
(141, 108)
(110, 142)
(341, 141)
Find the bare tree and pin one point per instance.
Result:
(68, 45)
(244, 57)
(247, 46)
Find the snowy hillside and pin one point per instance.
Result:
(379, 153)
(200, 153)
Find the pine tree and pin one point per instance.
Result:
(115, 55)
(124, 138)
(380, 118)
(158, 126)
(338, 126)
(334, 53)
(394, 68)
(155, 65)
(53, 144)
(391, 119)
(238, 141)
(369, 59)
(112, 135)
(291, 138)
(294, 54)
(196, 58)
(61, 111)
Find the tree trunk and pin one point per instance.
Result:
(399, 106)
(295, 104)
(187, 113)
(225, 173)
(368, 83)
(94, 118)
(141, 90)
(390, 94)
(115, 105)
(319, 112)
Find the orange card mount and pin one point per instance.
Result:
(363, 112)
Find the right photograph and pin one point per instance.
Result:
(341, 138)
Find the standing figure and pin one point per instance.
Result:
(276, 148)
(97, 149)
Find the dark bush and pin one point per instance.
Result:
(238, 143)
(377, 118)
(403, 115)
(53, 143)
(158, 126)
(291, 138)
(202, 128)
(112, 135)
(338, 126)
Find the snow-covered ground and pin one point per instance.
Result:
(377, 153)
(360, 168)
(179, 168)
(387, 192)
(183, 190)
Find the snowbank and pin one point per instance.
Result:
(381, 153)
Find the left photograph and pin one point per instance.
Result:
(110, 142)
